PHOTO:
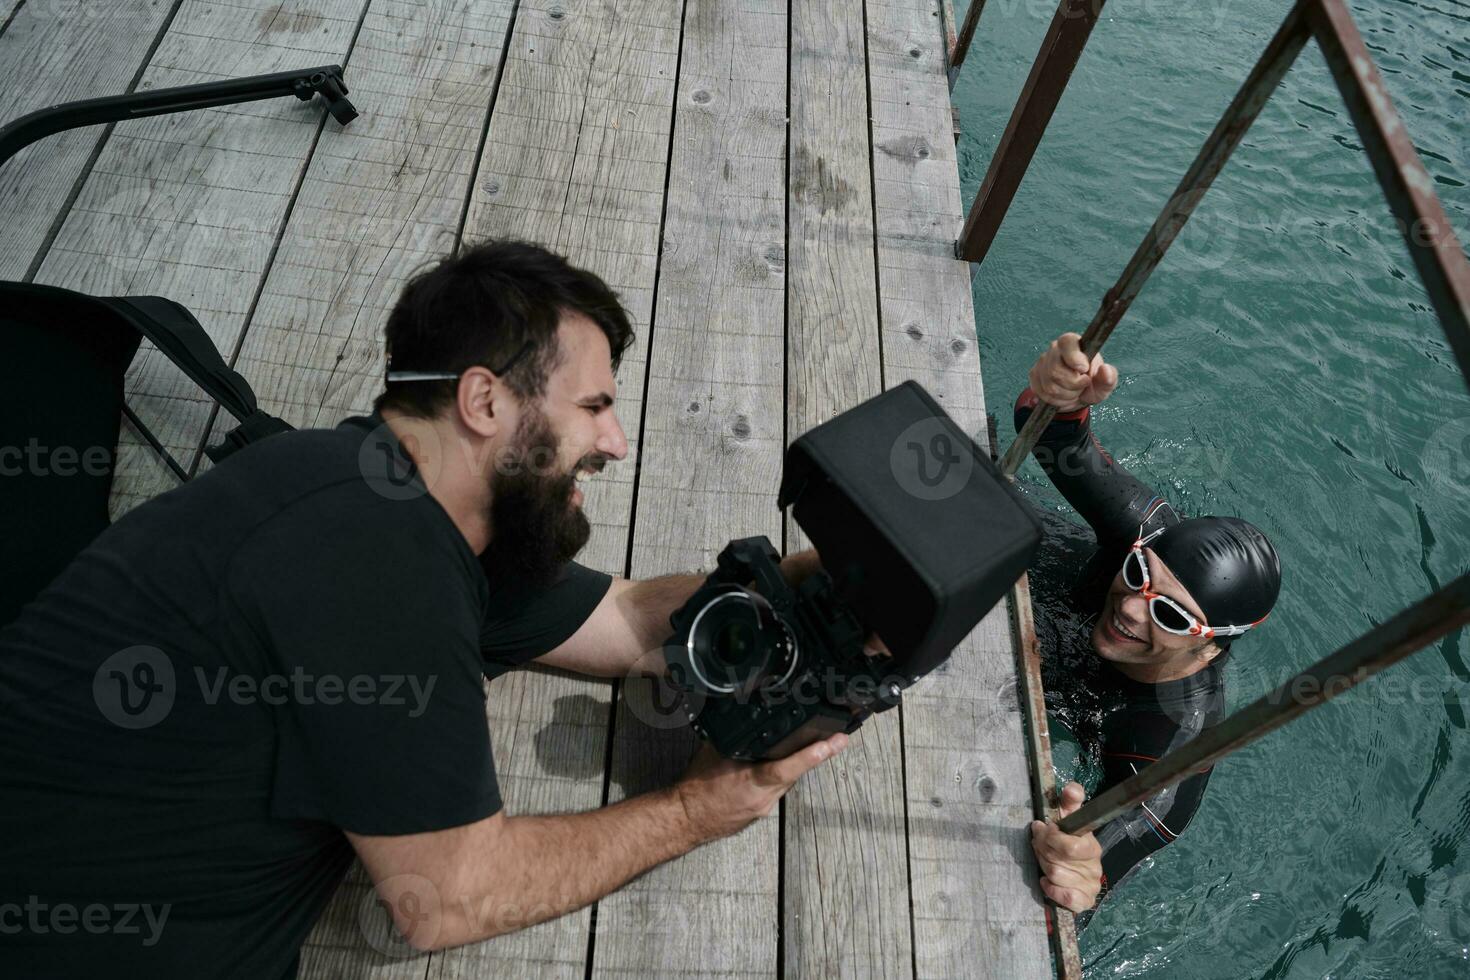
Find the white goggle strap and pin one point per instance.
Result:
(420, 376)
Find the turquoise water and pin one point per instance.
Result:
(1281, 365)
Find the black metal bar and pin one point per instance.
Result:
(1432, 244)
(961, 45)
(1065, 38)
(303, 84)
(1424, 622)
(1273, 65)
(152, 440)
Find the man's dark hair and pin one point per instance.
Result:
(497, 305)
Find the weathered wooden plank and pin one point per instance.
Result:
(379, 199)
(846, 873)
(711, 461)
(7, 11)
(190, 206)
(59, 51)
(974, 894)
(575, 160)
(550, 737)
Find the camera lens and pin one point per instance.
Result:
(734, 643)
(737, 641)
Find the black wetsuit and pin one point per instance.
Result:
(1124, 723)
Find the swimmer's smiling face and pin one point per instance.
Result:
(1126, 634)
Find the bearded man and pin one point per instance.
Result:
(251, 679)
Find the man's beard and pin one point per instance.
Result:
(534, 529)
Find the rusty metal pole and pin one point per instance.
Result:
(1043, 780)
(1424, 622)
(961, 45)
(1432, 244)
(1273, 65)
(1065, 39)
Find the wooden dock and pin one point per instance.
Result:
(773, 191)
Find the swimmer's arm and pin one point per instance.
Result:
(1107, 496)
(1132, 836)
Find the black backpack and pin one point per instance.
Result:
(63, 357)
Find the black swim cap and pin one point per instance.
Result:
(1226, 564)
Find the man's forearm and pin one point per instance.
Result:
(534, 868)
(649, 603)
(646, 605)
(626, 634)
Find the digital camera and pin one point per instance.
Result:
(919, 537)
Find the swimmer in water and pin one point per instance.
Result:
(1164, 598)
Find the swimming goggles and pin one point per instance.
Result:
(1167, 614)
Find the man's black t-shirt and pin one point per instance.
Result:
(291, 645)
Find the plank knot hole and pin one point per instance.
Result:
(700, 97)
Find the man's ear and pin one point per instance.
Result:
(481, 401)
(1209, 651)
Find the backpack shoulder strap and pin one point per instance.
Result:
(175, 332)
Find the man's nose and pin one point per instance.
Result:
(1135, 607)
(612, 441)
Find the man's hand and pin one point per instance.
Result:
(799, 566)
(723, 797)
(1062, 375)
(1071, 865)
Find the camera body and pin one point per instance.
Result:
(919, 535)
(767, 670)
